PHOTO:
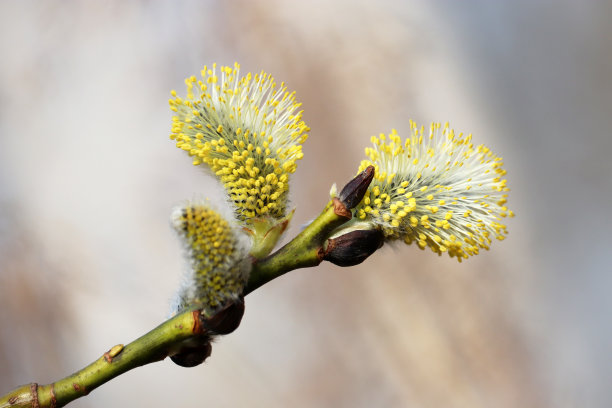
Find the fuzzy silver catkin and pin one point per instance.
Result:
(436, 189)
(217, 255)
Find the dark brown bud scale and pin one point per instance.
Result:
(194, 351)
(353, 247)
(354, 190)
(192, 356)
(225, 320)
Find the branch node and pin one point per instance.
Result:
(113, 352)
(321, 254)
(53, 399)
(340, 209)
(34, 393)
(197, 326)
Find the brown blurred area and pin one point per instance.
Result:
(88, 177)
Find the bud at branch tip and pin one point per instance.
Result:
(354, 190)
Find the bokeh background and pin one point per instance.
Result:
(88, 177)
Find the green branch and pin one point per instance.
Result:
(309, 247)
(304, 251)
(169, 338)
(153, 346)
(186, 337)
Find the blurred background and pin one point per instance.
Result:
(88, 177)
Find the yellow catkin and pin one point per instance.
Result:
(216, 256)
(436, 167)
(247, 131)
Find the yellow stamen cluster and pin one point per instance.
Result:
(436, 189)
(216, 253)
(247, 131)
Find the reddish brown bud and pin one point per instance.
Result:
(354, 190)
(353, 247)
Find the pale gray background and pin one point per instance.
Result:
(88, 177)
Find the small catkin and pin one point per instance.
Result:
(217, 253)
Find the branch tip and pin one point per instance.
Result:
(354, 190)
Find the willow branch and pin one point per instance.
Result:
(167, 339)
(308, 248)
(304, 251)
(153, 346)
(186, 337)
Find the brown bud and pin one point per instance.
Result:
(353, 247)
(191, 356)
(227, 319)
(354, 190)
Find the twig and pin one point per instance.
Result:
(188, 334)
(153, 346)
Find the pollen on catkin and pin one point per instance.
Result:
(436, 189)
(217, 255)
(247, 131)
